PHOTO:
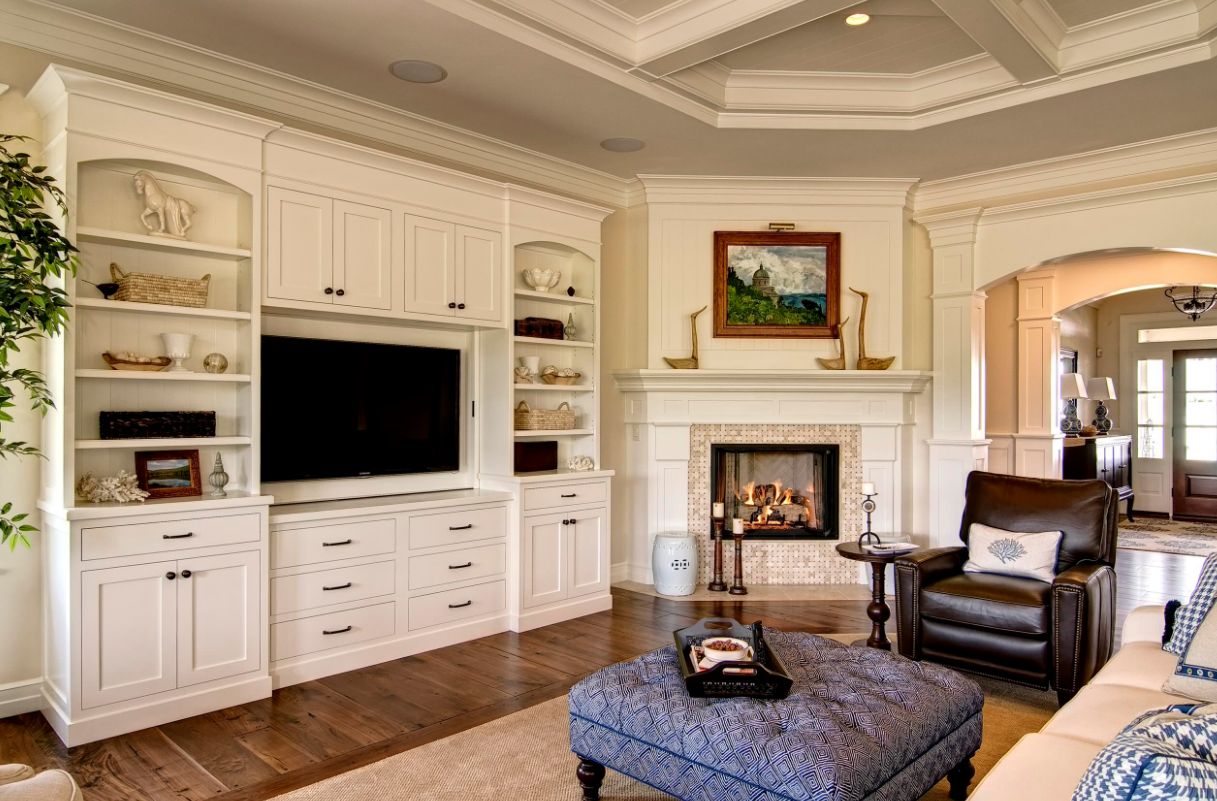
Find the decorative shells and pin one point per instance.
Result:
(540, 278)
(581, 463)
(565, 376)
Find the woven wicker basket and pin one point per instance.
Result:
(149, 288)
(560, 419)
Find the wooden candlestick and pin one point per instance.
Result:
(718, 585)
(737, 584)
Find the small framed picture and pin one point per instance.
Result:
(169, 474)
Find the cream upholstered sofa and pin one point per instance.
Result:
(1047, 765)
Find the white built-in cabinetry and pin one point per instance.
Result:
(176, 607)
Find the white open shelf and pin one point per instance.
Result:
(557, 343)
(550, 297)
(107, 237)
(145, 375)
(555, 388)
(159, 308)
(174, 443)
(545, 434)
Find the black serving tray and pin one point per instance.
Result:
(762, 677)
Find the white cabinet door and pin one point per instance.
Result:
(479, 280)
(128, 632)
(429, 252)
(589, 552)
(218, 613)
(300, 246)
(362, 256)
(545, 559)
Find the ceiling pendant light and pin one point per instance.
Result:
(1192, 301)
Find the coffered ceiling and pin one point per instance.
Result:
(926, 89)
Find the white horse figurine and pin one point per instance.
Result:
(173, 214)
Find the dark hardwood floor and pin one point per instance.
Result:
(314, 730)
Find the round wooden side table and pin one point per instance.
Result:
(878, 610)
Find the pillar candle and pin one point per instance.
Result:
(737, 526)
(719, 509)
(868, 488)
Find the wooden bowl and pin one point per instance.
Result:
(157, 364)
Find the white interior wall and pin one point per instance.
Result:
(20, 581)
(1111, 360)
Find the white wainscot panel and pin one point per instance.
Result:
(673, 496)
(878, 443)
(672, 443)
(713, 409)
(1001, 454)
(887, 503)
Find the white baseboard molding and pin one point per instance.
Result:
(286, 672)
(20, 697)
(98, 725)
(625, 571)
(579, 607)
(620, 572)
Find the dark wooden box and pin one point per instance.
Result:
(533, 457)
(155, 425)
(542, 327)
(763, 677)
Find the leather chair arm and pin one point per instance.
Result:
(913, 571)
(1083, 623)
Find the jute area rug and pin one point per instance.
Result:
(1168, 536)
(527, 755)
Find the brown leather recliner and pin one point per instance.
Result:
(1031, 632)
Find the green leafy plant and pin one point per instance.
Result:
(34, 256)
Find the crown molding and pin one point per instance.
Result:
(778, 381)
(165, 64)
(667, 189)
(1134, 164)
(546, 200)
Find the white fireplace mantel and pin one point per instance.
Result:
(752, 381)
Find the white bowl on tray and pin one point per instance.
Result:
(726, 649)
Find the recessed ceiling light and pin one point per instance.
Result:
(416, 71)
(623, 144)
(857, 19)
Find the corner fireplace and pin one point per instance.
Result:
(781, 492)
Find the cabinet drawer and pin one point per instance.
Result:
(564, 495)
(130, 539)
(466, 563)
(307, 546)
(453, 605)
(333, 586)
(455, 527)
(309, 634)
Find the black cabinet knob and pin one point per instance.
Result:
(340, 292)
(452, 305)
(329, 290)
(186, 574)
(460, 305)
(171, 575)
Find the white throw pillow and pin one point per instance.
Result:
(1012, 553)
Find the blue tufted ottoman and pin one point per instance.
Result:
(859, 723)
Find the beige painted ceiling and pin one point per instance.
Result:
(516, 80)
(1080, 12)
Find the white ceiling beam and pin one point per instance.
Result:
(1025, 53)
(725, 32)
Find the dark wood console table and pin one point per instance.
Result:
(878, 611)
(1108, 458)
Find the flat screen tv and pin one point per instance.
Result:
(333, 409)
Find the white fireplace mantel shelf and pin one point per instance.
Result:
(663, 380)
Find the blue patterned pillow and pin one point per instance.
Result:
(1192, 614)
(1165, 754)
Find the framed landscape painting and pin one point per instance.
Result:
(776, 284)
(168, 474)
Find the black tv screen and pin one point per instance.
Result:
(333, 409)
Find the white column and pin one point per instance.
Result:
(958, 445)
(1038, 441)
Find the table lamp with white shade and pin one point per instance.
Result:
(1102, 388)
(1073, 386)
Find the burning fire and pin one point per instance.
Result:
(763, 498)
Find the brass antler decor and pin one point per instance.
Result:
(839, 362)
(691, 362)
(866, 362)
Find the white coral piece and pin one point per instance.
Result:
(122, 488)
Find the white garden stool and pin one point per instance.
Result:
(674, 563)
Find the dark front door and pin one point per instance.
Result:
(1195, 433)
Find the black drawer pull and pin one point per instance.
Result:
(177, 536)
(458, 567)
(571, 495)
(465, 527)
(460, 606)
(337, 631)
(332, 544)
(346, 586)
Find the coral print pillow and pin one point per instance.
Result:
(1012, 553)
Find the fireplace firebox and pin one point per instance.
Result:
(781, 492)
